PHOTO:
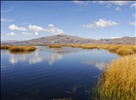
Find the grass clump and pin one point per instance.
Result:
(125, 51)
(5, 46)
(113, 48)
(118, 82)
(88, 47)
(54, 46)
(22, 48)
(134, 48)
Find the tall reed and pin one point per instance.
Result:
(118, 82)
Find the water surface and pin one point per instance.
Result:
(48, 73)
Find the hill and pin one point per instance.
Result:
(67, 39)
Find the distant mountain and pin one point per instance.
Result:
(58, 39)
(123, 40)
(9, 42)
(67, 39)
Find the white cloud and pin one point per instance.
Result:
(26, 33)
(36, 33)
(81, 2)
(133, 5)
(118, 8)
(105, 23)
(120, 3)
(35, 28)
(5, 20)
(52, 29)
(88, 26)
(51, 25)
(133, 23)
(14, 27)
(114, 37)
(101, 23)
(11, 34)
(55, 31)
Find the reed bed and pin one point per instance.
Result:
(19, 48)
(113, 48)
(22, 48)
(55, 46)
(118, 81)
(5, 46)
(124, 51)
(120, 49)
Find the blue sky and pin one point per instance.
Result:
(23, 20)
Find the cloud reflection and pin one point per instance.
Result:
(16, 58)
(36, 59)
(54, 57)
(100, 65)
(40, 56)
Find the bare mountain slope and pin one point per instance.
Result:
(123, 40)
(67, 39)
(60, 39)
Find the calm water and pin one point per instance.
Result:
(48, 74)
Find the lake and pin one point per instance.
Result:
(49, 73)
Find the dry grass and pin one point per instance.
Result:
(19, 48)
(125, 51)
(22, 48)
(113, 48)
(120, 49)
(5, 46)
(118, 82)
(54, 46)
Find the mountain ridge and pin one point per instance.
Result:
(68, 39)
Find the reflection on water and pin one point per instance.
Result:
(72, 75)
(37, 57)
(100, 65)
(16, 58)
(54, 57)
(50, 58)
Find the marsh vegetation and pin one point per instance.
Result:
(54, 46)
(118, 81)
(120, 49)
(16, 49)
